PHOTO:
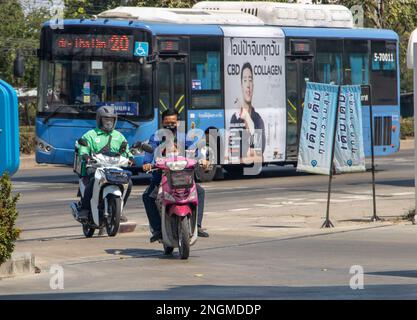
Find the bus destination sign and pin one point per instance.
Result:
(93, 45)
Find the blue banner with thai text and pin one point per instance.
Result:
(349, 155)
(317, 128)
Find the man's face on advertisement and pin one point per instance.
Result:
(247, 85)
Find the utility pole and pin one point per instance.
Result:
(414, 48)
(381, 13)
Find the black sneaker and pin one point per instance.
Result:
(156, 236)
(83, 214)
(202, 233)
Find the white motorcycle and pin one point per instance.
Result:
(109, 190)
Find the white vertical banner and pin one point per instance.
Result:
(317, 128)
(349, 155)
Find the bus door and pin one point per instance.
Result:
(172, 92)
(299, 72)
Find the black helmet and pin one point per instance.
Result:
(106, 112)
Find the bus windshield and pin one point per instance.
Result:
(69, 86)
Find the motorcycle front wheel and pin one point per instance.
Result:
(88, 231)
(115, 211)
(184, 237)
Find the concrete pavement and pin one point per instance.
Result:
(310, 267)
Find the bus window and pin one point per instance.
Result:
(84, 82)
(205, 73)
(329, 61)
(356, 62)
(384, 72)
(164, 86)
(179, 89)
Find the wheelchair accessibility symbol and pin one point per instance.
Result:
(141, 49)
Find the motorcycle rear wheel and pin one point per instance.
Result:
(113, 220)
(184, 237)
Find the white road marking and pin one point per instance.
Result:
(238, 209)
(210, 212)
(403, 193)
(267, 205)
(304, 204)
(66, 199)
(358, 197)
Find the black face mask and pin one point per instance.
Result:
(171, 126)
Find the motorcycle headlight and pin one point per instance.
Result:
(176, 165)
(168, 196)
(192, 195)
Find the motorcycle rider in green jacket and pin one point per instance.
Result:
(103, 139)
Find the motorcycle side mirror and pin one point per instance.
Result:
(147, 148)
(143, 146)
(82, 142)
(123, 147)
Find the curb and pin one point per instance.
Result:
(29, 162)
(20, 263)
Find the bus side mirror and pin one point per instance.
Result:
(147, 73)
(19, 66)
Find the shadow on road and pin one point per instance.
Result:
(277, 227)
(216, 292)
(395, 273)
(141, 253)
(398, 183)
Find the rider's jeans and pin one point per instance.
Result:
(88, 193)
(152, 210)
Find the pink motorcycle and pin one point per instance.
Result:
(177, 202)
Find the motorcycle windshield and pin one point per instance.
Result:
(111, 160)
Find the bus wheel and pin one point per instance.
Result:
(234, 170)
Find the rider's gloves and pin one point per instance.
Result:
(86, 157)
(132, 162)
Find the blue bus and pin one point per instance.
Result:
(212, 66)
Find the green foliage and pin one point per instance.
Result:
(397, 15)
(407, 127)
(27, 142)
(20, 32)
(8, 216)
(86, 8)
(27, 113)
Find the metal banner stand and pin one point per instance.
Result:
(374, 216)
(327, 223)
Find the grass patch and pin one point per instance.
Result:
(407, 127)
(27, 142)
(410, 216)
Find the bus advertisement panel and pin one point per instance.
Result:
(255, 110)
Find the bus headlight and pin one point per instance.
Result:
(44, 147)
